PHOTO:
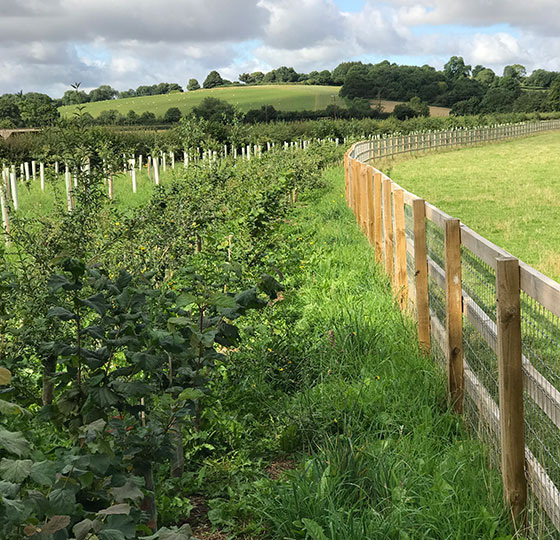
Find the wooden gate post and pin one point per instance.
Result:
(421, 272)
(512, 428)
(454, 316)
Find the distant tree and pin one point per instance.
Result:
(323, 77)
(193, 85)
(38, 110)
(356, 83)
(161, 88)
(339, 72)
(553, 98)
(214, 110)
(74, 97)
(486, 76)
(456, 68)
(541, 77)
(9, 111)
(213, 80)
(466, 107)
(411, 109)
(147, 118)
(172, 115)
(127, 94)
(515, 71)
(476, 70)
(252, 78)
(145, 91)
(267, 113)
(282, 74)
(108, 117)
(175, 87)
(529, 102)
(103, 93)
(132, 118)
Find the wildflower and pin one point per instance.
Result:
(117, 223)
(281, 369)
(378, 377)
(106, 236)
(142, 248)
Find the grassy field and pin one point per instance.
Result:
(282, 97)
(508, 192)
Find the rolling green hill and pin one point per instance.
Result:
(282, 97)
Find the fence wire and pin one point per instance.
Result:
(540, 331)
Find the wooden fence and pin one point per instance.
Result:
(490, 319)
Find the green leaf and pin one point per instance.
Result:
(314, 530)
(81, 529)
(129, 491)
(44, 473)
(16, 511)
(56, 523)
(7, 408)
(96, 302)
(191, 394)
(63, 500)
(110, 534)
(249, 299)
(123, 508)
(8, 489)
(220, 299)
(179, 321)
(15, 470)
(56, 281)
(185, 299)
(14, 442)
(270, 286)
(5, 376)
(60, 313)
(104, 396)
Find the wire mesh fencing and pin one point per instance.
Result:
(488, 327)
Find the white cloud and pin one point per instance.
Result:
(47, 44)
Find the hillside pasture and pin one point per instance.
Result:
(282, 97)
(507, 192)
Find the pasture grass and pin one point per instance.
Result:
(335, 380)
(508, 192)
(289, 97)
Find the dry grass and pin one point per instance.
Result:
(389, 106)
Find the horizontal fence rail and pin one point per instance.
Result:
(492, 321)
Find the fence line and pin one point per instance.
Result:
(491, 320)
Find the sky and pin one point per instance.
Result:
(46, 45)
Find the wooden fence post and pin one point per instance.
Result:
(512, 428)
(378, 216)
(356, 188)
(421, 272)
(388, 226)
(364, 195)
(454, 316)
(347, 177)
(401, 278)
(370, 205)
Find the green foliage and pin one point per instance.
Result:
(193, 85)
(212, 80)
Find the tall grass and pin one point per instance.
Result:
(381, 456)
